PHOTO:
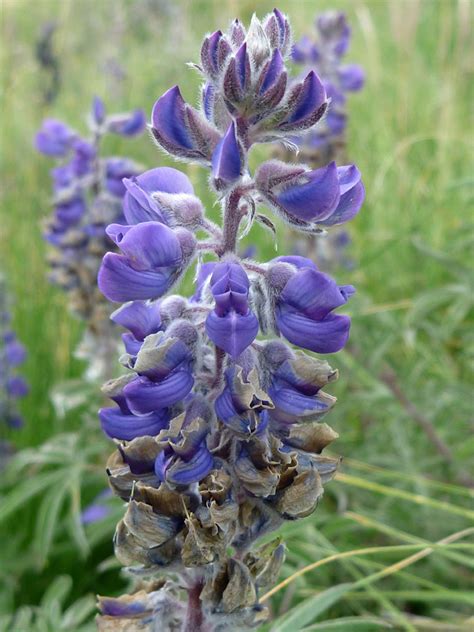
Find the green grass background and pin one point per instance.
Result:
(410, 133)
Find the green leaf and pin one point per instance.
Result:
(26, 490)
(23, 619)
(47, 521)
(308, 610)
(347, 624)
(57, 591)
(78, 613)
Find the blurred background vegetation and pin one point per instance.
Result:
(405, 391)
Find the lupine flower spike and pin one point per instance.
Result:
(324, 53)
(12, 354)
(218, 419)
(87, 196)
(327, 142)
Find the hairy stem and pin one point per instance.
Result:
(194, 621)
(232, 217)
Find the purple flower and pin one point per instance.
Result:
(164, 372)
(139, 205)
(84, 154)
(304, 309)
(141, 319)
(116, 169)
(304, 51)
(324, 197)
(181, 130)
(231, 325)
(16, 386)
(295, 387)
(130, 124)
(15, 352)
(307, 104)
(98, 111)
(243, 406)
(118, 422)
(352, 77)
(54, 138)
(153, 258)
(98, 509)
(185, 457)
(227, 160)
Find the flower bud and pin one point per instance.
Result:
(180, 130)
(129, 124)
(180, 209)
(227, 158)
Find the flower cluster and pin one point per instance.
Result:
(12, 355)
(218, 418)
(324, 53)
(87, 196)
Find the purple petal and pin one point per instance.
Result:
(273, 72)
(54, 138)
(168, 119)
(15, 353)
(17, 387)
(243, 65)
(348, 207)
(147, 245)
(119, 282)
(232, 333)
(312, 97)
(119, 425)
(316, 199)
(113, 607)
(325, 336)
(185, 472)
(226, 162)
(98, 111)
(144, 396)
(352, 77)
(336, 121)
(297, 261)
(291, 402)
(138, 203)
(140, 318)
(204, 272)
(94, 513)
(312, 292)
(128, 124)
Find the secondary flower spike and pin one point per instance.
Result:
(88, 190)
(324, 53)
(13, 354)
(218, 417)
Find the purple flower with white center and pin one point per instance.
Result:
(221, 429)
(231, 325)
